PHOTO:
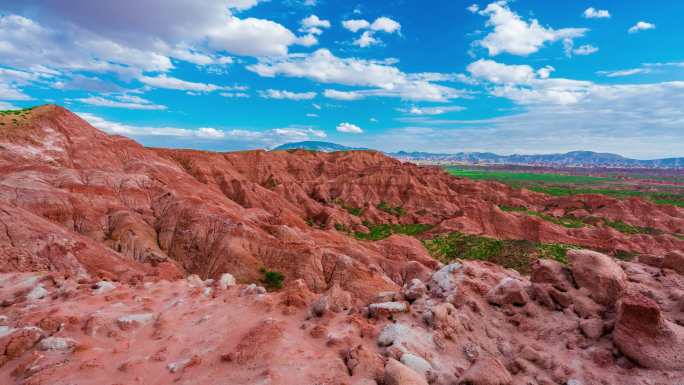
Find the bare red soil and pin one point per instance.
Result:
(98, 232)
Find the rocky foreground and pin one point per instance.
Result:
(122, 264)
(596, 322)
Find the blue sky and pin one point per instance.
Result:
(525, 76)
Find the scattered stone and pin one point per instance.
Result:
(386, 309)
(38, 292)
(134, 320)
(22, 340)
(103, 287)
(195, 281)
(599, 274)
(443, 281)
(644, 335)
(414, 289)
(417, 363)
(226, 281)
(397, 373)
(487, 370)
(339, 300)
(551, 272)
(509, 291)
(252, 289)
(177, 366)
(56, 343)
(391, 333)
(320, 306)
(592, 328)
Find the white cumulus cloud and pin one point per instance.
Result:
(512, 34)
(280, 94)
(593, 13)
(342, 95)
(641, 26)
(349, 128)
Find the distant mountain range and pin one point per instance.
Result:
(316, 146)
(570, 159)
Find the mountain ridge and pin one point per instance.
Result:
(572, 158)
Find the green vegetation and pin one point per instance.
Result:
(655, 197)
(566, 185)
(273, 280)
(567, 221)
(680, 236)
(625, 255)
(629, 229)
(356, 211)
(381, 231)
(16, 112)
(393, 210)
(513, 254)
(511, 177)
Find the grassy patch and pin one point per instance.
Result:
(381, 231)
(520, 177)
(567, 221)
(624, 255)
(630, 229)
(657, 198)
(680, 236)
(272, 280)
(353, 210)
(513, 254)
(557, 184)
(393, 210)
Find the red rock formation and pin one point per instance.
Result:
(86, 209)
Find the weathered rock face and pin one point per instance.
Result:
(599, 274)
(643, 334)
(81, 201)
(114, 223)
(486, 371)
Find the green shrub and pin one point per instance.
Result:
(567, 221)
(341, 228)
(512, 254)
(381, 231)
(624, 255)
(356, 211)
(273, 280)
(630, 229)
(393, 210)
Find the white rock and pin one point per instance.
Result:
(320, 306)
(417, 363)
(173, 367)
(226, 281)
(5, 330)
(194, 280)
(392, 333)
(414, 289)
(56, 343)
(443, 279)
(104, 287)
(134, 319)
(37, 292)
(387, 307)
(252, 289)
